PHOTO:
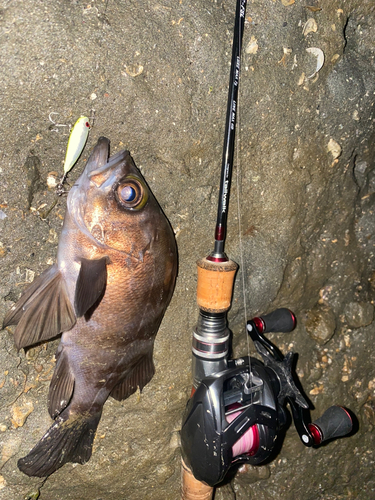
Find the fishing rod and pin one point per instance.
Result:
(237, 409)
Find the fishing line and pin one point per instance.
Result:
(242, 264)
(102, 16)
(249, 441)
(239, 218)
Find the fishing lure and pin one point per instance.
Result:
(76, 143)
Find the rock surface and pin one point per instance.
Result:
(154, 76)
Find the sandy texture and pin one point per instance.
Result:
(154, 74)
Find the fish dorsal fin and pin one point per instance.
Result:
(141, 375)
(43, 311)
(91, 283)
(62, 384)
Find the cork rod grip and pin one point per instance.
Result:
(192, 489)
(215, 285)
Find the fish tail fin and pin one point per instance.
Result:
(69, 439)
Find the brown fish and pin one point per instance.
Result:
(113, 280)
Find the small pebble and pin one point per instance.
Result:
(3, 250)
(2, 483)
(52, 180)
(310, 27)
(30, 275)
(20, 413)
(252, 46)
(359, 314)
(320, 324)
(334, 148)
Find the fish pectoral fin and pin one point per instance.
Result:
(43, 311)
(91, 283)
(62, 384)
(141, 375)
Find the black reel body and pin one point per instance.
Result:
(208, 436)
(236, 415)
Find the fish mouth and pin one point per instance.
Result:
(99, 155)
(103, 176)
(99, 166)
(98, 169)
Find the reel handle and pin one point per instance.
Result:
(334, 423)
(281, 320)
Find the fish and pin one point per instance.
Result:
(107, 293)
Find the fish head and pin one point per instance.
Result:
(112, 205)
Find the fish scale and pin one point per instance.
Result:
(106, 296)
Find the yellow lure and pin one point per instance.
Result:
(76, 142)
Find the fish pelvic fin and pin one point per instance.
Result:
(141, 375)
(68, 440)
(62, 384)
(91, 283)
(43, 311)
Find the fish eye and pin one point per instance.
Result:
(131, 193)
(128, 193)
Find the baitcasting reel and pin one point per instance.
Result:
(235, 415)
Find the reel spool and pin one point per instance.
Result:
(236, 415)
